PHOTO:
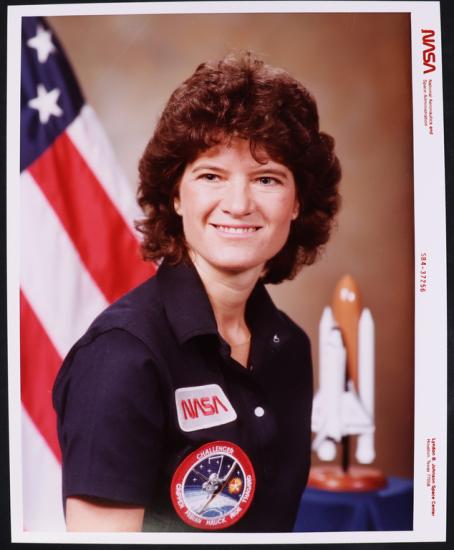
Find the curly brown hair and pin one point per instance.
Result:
(241, 96)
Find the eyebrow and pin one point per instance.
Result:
(254, 172)
(272, 171)
(208, 167)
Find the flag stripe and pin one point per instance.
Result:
(90, 140)
(79, 249)
(99, 233)
(40, 362)
(55, 289)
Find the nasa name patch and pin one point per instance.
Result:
(200, 407)
(214, 486)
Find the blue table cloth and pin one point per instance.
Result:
(389, 509)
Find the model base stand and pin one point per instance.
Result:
(354, 479)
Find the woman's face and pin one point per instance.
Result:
(236, 211)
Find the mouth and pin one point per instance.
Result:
(236, 229)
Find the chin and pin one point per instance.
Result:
(237, 265)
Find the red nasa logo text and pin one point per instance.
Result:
(201, 407)
(206, 405)
(428, 54)
(214, 486)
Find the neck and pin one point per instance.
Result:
(228, 293)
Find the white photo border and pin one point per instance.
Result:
(430, 271)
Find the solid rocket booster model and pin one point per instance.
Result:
(344, 404)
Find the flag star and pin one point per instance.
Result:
(46, 103)
(42, 43)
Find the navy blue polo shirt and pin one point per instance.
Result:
(128, 415)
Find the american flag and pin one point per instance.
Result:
(79, 251)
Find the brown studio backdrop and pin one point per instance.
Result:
(358, 66)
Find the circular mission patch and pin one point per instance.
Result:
(214, 486)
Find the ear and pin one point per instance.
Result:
(296, 209)
(177, 205)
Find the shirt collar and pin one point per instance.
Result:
(185, 300)
(190, 313)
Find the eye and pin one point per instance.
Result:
(268, 180)
(209, 176)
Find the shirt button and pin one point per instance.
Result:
(276, 339)
(259, 411)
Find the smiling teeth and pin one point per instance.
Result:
(236, 229)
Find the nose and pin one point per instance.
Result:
(237, 200)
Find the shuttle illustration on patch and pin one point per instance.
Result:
(200, 407)
(213, 486)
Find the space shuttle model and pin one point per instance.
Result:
(344, 403)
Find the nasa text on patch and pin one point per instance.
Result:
(200, 407)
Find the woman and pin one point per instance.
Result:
(187, 403)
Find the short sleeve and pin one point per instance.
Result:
(110, 419)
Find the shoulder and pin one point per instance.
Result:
(267, 319)
(296, 353)
(114, 360)
(297, 333)
(137, 313)
(118, 345)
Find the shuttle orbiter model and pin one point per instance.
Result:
(344, 403)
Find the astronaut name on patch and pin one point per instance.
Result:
(200, 407)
